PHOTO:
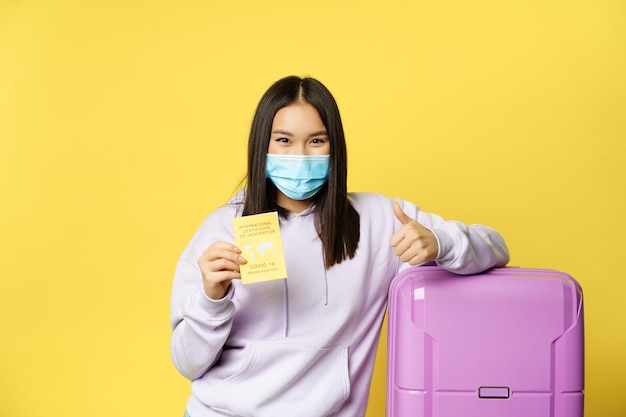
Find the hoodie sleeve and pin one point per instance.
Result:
(200, 329)
(200, 325)
(463, 249)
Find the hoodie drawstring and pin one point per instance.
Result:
(286, 302)
(325, 288)
(285, 308)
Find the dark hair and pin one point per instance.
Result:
(336, 221)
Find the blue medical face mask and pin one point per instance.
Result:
(299, 177)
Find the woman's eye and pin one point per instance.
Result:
(319, 141)
(282, 140)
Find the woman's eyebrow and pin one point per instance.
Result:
(282, 132)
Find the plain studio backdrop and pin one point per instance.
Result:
(124, 123)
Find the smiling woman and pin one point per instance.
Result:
(304, 345)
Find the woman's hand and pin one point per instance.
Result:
(219, 264)
(413, 243)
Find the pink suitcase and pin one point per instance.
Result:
(505, 343)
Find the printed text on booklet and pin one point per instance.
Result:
(258, 237)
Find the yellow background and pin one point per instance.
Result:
(123, 123)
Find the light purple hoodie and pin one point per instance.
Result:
(303, 346)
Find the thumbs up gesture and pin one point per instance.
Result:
(413, 243)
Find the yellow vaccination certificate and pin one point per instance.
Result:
(258, 237)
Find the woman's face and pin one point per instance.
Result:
(297, 129)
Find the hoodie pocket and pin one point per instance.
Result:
(284, 380)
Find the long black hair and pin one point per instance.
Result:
(336, 221)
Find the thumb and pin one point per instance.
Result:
(400, 215)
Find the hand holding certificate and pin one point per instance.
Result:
(259, 239)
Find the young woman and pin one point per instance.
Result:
(303, 346)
